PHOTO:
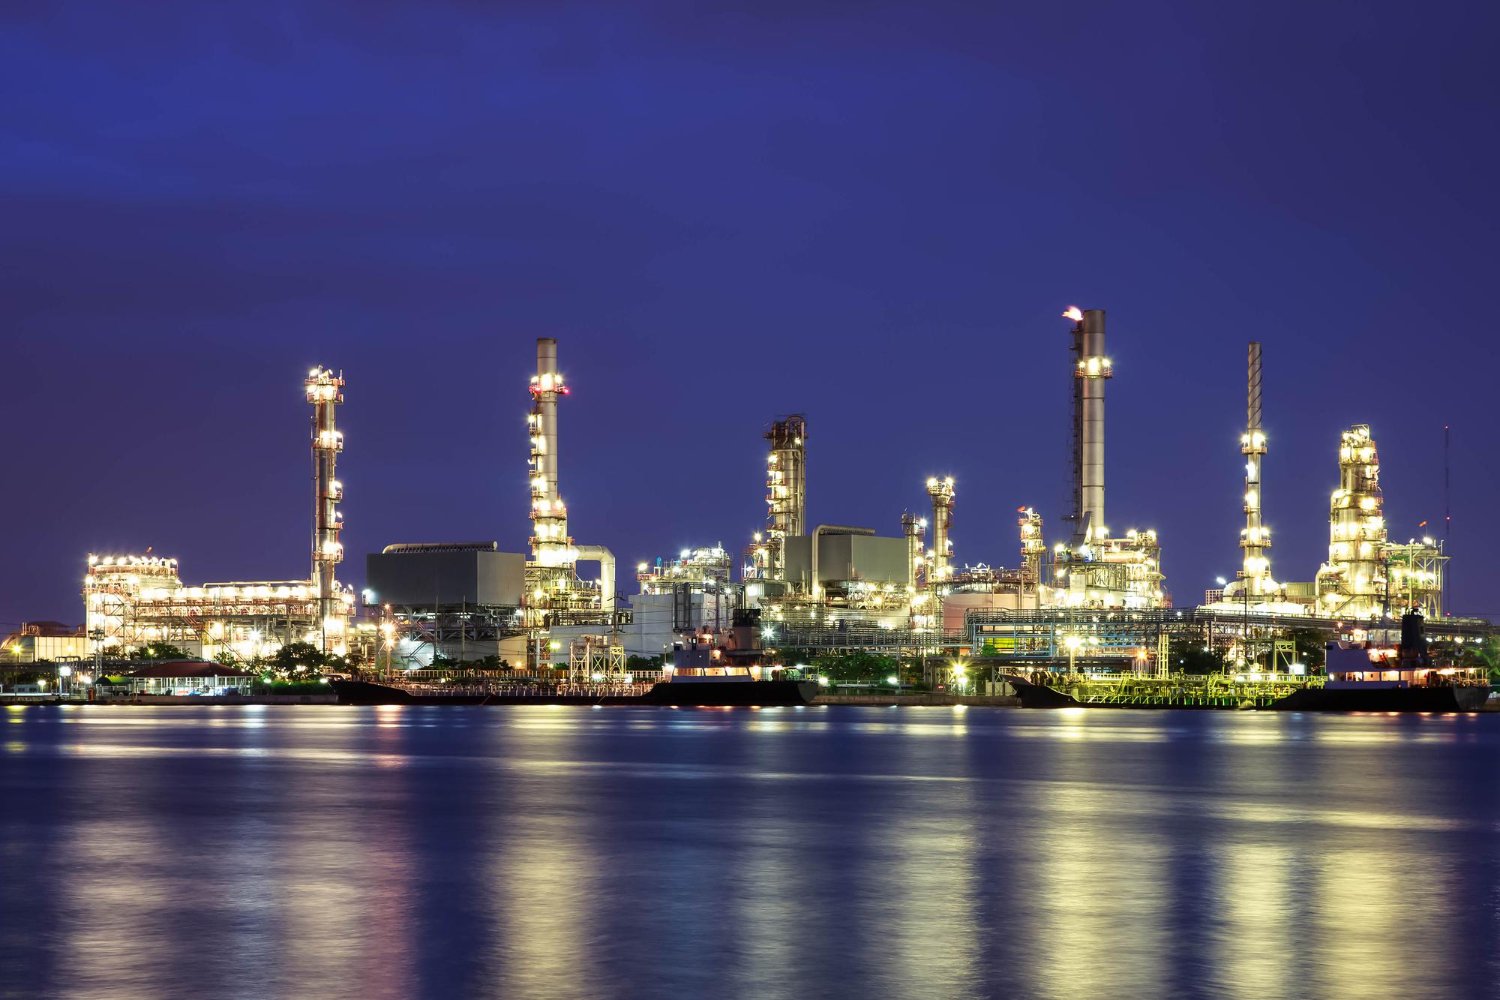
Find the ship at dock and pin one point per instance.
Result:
(1379, 677)
(709, 691)
(1370, 675)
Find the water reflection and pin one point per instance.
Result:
(924, 891)
(1260, 931)
(414, 852)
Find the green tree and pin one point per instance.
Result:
(1310, 647)
(1484, 654)
(159, 650)
(27, 676)
(859, 667)
(1188, 656)
(298, 658)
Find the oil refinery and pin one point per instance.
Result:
(131, 601)
(1090, 598)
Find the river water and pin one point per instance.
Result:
(320, 851)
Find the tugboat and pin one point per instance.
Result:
(729, 691)
(720, 669)
(1369, 677)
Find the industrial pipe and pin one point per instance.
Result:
(606, 560)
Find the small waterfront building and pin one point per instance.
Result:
(37, 642)
(190, 677)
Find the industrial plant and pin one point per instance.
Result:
(1087, 599)
(134, 600)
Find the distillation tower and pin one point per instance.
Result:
(1352, 583)
(940, 559)
(1033, 548)
(325, 391)
(551, 547)
(554, 596)
(1255, 539)
(786, 490)
(914, 530)
(133, 600)
(1367, 576)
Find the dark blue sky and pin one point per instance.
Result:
(869, 213)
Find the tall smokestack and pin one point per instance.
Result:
(1090, 369)
(1255, 539)
(550, 544)
(325, 391)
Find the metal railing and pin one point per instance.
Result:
(509, 689)
(1182, 690)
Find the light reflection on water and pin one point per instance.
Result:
(516, 852)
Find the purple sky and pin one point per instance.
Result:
(869, 213)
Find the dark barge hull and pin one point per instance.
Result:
(706, 694)
(367, 693)
(1407, 699)
(1039, 695)
(733, 694)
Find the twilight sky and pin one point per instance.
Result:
(870, 213)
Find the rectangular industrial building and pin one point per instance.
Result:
(847, 557)
(445, 575)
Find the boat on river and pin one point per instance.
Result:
(730, 690)
(459, 692)
(1375, 677)
(686, 690)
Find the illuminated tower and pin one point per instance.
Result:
(914, 529)
(1352, 583)
(1090, 370)
(550, 544)
(325, 391)
(786, 489)
(1255, 539)
(1033, 548)
(940, 565)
